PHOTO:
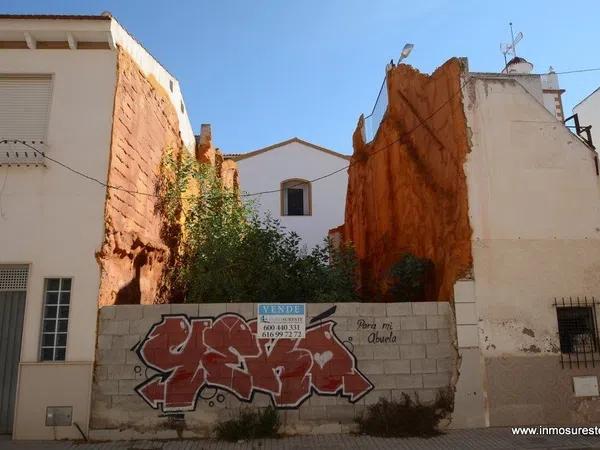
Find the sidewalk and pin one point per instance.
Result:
(490, 438)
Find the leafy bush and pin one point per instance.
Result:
(410, 276)
(228, 252)
(405, 418)
(250, 425)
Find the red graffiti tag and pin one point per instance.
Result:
(224, 352)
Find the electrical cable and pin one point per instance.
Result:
(254, 194)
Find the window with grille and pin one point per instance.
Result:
(24, 112)
(296, 198)
(55, 323)
(578, 331)
(13, 277)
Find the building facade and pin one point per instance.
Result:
(285, 170)
(503, 198)
(77, 91)
(534, 283)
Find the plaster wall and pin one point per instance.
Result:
(266, 171)
(52, 219)
(533, 205)
(589, 114)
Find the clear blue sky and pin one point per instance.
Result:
(264, 71)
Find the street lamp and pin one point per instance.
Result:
(405, 52)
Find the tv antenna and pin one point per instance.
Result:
(511, 48)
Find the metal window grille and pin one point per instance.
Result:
(578, 331)
(13, 277)
(57, 298)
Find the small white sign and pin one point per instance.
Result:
(281, 320)
(585, 386)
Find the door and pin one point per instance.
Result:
(13, 288)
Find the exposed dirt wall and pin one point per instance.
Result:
(139, 243)
(407, 189)
(145, 124)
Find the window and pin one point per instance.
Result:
(24, 111)
(577, 331)
(55, 323)
(296, 198)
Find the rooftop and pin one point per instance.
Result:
(103, 16)
(240, 156)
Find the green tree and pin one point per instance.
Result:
(228, 252)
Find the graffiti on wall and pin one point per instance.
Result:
(193, 354)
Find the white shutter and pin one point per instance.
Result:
(24, 110)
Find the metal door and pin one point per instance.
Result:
(13, 288)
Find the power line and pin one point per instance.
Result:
(254, 194)
(75, 171)
(374, 152)
(595, 69)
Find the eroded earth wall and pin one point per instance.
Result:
(138, 242)
(407, 190)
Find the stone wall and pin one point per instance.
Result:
(407, 189)
(160, 373)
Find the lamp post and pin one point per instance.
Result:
(405, 52)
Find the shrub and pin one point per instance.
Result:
(250, 425)
(405, 418)
(228, 252)
(410, 276)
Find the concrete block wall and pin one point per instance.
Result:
(396, 347)
(469, 401)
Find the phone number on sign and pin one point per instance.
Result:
(282, 327)
(286, 334)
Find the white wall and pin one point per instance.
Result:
(54, 219)
(267, 170)
(534, 206)
(589, 114)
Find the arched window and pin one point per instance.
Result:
(296, 199)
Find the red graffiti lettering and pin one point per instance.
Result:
(224, 352)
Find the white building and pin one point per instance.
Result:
(533, 192)
(588, 115)
(65, 82)
(309, 208)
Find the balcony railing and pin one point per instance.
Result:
(584, 133)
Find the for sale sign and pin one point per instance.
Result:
(281, 320)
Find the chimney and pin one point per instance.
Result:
(518, 65)
(205, 152)
(553, 94)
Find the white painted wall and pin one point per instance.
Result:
(534, 206)
(53, 219)
(589, 114)
(266, 171)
